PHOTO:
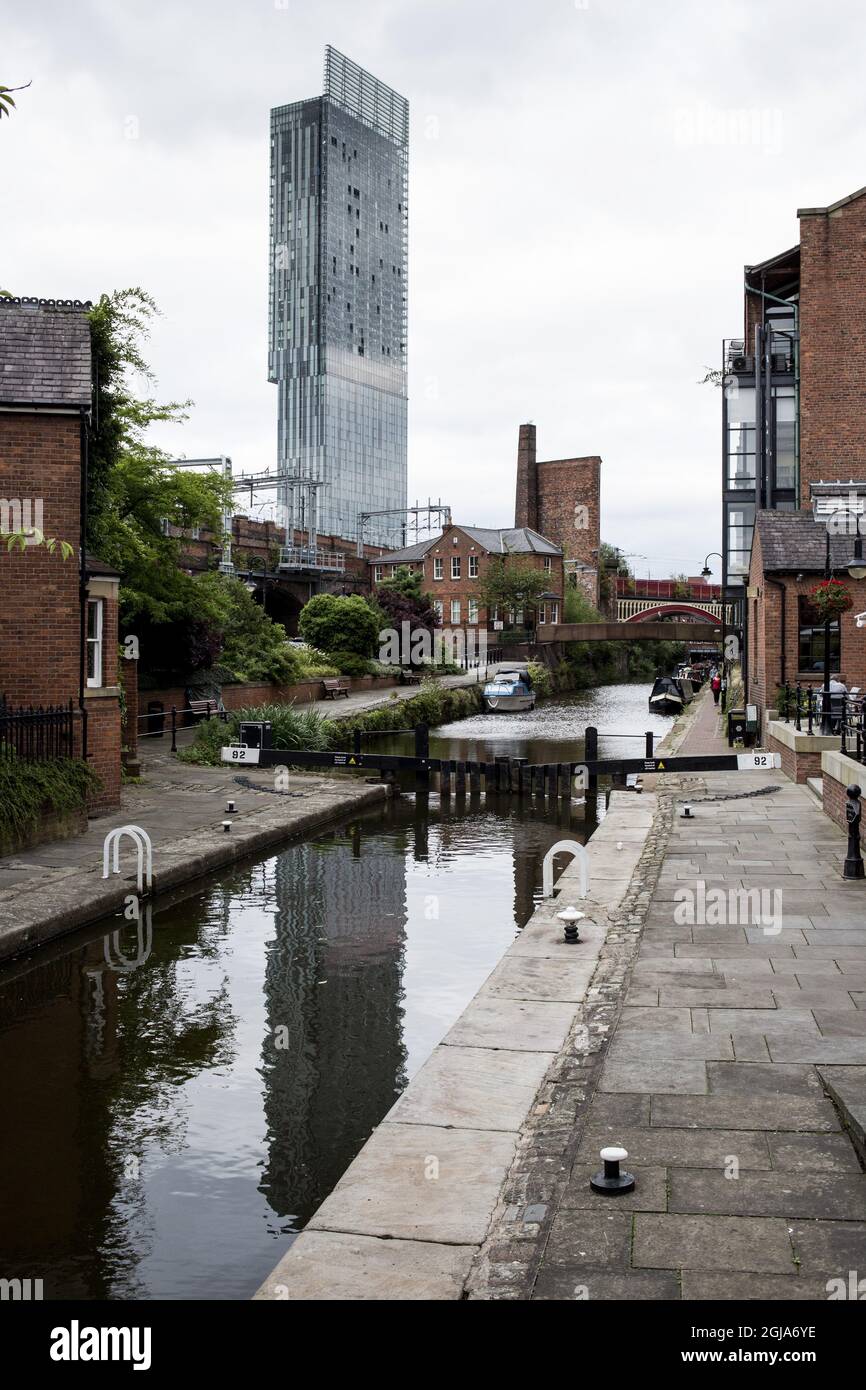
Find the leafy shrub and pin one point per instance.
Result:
(336, 623)
(350, 664)
(541, 678)
(314, 664)
(62, 784)
(254, 647)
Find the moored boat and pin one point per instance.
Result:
(666, 696)
(509, 690)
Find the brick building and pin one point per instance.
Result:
(785, 637)
(58, 620)
(453, 564)
(794, 441)
(561, 499)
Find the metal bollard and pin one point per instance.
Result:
(853, 812)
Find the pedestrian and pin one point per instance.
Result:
(716, 687)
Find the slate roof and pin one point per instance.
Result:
(520, 540)
(45, 353)
(514, 540)
(95, 568)
(795, 541)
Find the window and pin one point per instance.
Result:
(786, 440)
(554, 611)
(455, 610)
(455, 566)
(811, 639)
(739, 406)
(473, 566)
(542, 613)
(94, 641)
(437, 569)
(473, 610)
(741, 523)
(439, 608)
(378, 573)
(547, 563)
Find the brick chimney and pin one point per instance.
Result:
(526, 504)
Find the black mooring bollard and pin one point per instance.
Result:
(853, 811)
(611, 1181)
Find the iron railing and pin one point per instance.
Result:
(851, 728)
(803, 705)
(38, 732)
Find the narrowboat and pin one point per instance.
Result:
(666, 696)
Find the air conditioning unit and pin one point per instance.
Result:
(740, 363)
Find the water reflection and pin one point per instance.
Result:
(176, 1123)
(170, 1127)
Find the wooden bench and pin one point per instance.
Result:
(409, 677)
(206, 708)
(335, 688)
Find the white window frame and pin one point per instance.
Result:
(439, 608)
(547, 563)
(554, 612)
(378, 573)
(542, 614)
(94, 682)
(438, 567)
(473, 611)
(455, 566)
(455, 610)
(473, 566)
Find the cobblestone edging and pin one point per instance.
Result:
(509, 1259)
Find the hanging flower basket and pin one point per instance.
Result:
(830, 599)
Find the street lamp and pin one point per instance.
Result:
(705, 573)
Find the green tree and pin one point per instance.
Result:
(401, 599)
(335, 623)
(133, 491)
(511, 585)
(253, 647)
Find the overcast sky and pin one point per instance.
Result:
(587, 181)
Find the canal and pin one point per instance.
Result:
(176, 1124)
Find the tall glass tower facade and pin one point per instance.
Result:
(337, 303)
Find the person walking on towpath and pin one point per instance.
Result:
(716, 687)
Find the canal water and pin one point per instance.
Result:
(171, 1127)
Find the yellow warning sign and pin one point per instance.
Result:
(352, 762)
(659, 766)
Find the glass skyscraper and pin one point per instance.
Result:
(337, 303)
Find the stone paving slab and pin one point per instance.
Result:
(657, 1078)
(473, 1088)
(766, 1113)
(725, 1287)
(757, 1244)
(420, 1182)
(326, 1265)
(521, 1025)
(823, 1196)
(834, 1247)
(558, 978)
